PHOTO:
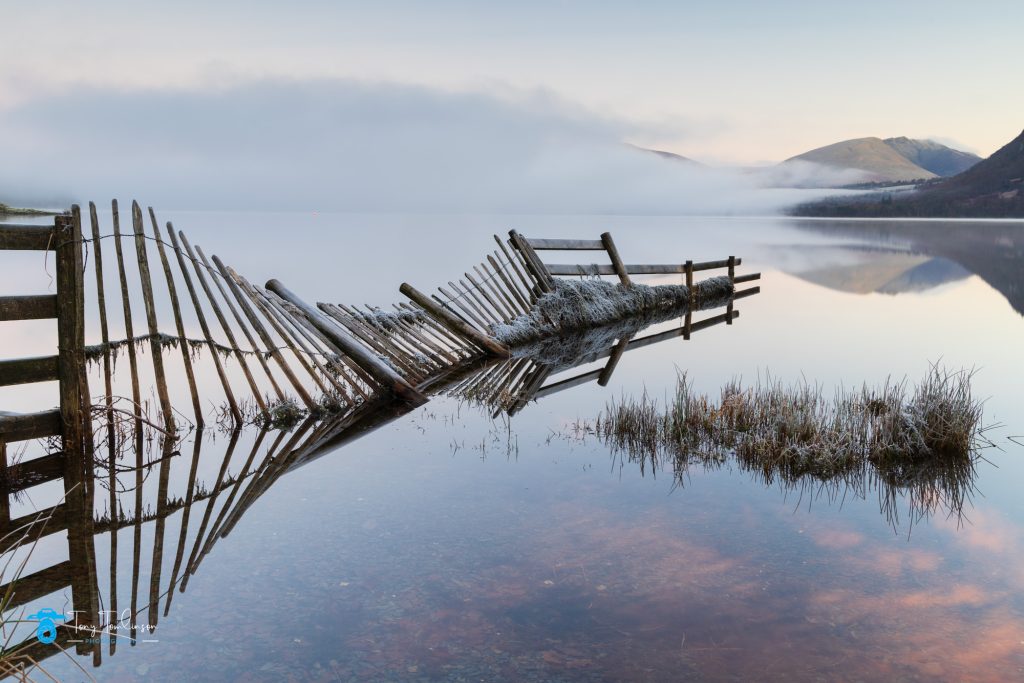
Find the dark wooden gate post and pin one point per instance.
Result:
(74, 388)
(75, 411)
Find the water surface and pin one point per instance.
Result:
(447, 545)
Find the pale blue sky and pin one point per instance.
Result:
(739, 82)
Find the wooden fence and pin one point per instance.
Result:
(353, 367)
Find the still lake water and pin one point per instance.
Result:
(450, 546)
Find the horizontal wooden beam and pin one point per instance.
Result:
(28, 370)
(635, 269)
(26, 237)
(30, 426)
(566, 245)
(25, 589)
(747, 278)
(29, 473)
(746, 292)
(28, 307)
(32, 526)
(564, 384)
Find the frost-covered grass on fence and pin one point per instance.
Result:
(583, 304)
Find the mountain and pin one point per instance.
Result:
(886, 273)
(994, 251)
(672, 156)
(873, 157)
(933, 156)
(993, 188)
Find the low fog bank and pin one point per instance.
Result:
(336, 145)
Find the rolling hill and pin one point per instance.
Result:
(877, 161)
(890, 160)
(933, 156)
(993, 188)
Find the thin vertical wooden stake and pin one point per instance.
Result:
(301, 337)
(185, 513)
(514, 262)
(154, 327)
(191, 565)
(133, 362)
(613, 254)
(540, 271)
(241, 324)
(732, 281)
(456, 299)
(521, 305)
(200, 273)
(104, 329)
(172, 292)
(474, 299)
(275, 353)
(613, 361)
(236, 414)
(269, 315)
(156, 564)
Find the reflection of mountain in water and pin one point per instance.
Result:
(885, 273)
(993, 251)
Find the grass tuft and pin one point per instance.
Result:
(923, 439)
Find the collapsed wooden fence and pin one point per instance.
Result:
(352, 367)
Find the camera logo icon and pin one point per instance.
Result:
(46, 631)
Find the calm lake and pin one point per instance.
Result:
(449, 545)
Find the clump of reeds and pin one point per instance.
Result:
(796, 431)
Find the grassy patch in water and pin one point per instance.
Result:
(797, 431)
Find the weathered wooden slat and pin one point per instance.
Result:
(149, 305)
(242, 326)
(133, 361)
(384, 375)
(33, 472)
(569, 383)
(101, 302)
(264, 335)
(750, 277)
(37, 585)
(225, 325)
(28, 370)
(533, 263)
(306, 343)
(30, 426)
(400, 360)
(746, 292)
(566, 245)
(39, 307)
(172, 291)
(454, 323)
(617, 264)
(613, 361)
(635, 269)
(236, 414)
(32, 526)
(522, 303)
(678, 332)
(26, 237)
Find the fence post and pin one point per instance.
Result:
(75, 411)
(74, 390)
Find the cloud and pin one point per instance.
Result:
(352, 146)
